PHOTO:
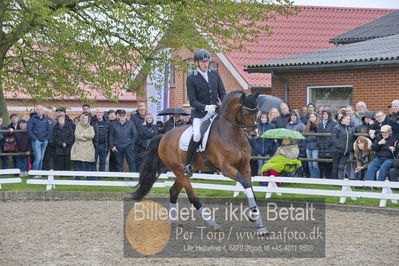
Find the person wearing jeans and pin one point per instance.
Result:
(39, 131)
(384, 147)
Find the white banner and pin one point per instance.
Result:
(158, 91)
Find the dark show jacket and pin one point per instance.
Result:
(201, 93)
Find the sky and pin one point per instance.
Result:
(394, 4)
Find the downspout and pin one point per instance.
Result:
(274, 75)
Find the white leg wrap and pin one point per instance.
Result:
(252, 205)
(250, 197)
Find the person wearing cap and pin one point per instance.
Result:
(384, 148)
(367, 122)
(122, 139)
(24, 144)
(204, 89)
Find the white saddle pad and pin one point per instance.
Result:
(188, 133)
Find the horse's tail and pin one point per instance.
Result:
(150, 169)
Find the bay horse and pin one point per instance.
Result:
(228, 149)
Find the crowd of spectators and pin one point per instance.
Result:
(375, 149)
(103, 141)
(91, 141)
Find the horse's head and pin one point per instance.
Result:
(246, 116)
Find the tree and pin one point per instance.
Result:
(51, 48)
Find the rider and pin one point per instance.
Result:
(204, 88)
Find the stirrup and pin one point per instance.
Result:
(188, 170)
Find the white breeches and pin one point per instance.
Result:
(197, 122)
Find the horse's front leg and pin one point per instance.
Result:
(245, 180)
(194, 200)
(174, 194)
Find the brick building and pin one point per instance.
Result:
(365, 68)
(307, 31)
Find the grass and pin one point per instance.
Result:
(212, 193)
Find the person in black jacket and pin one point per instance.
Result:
(101, 139)
(63, 137)
(122, 139)
(263, 147)
(284, 118)
(14, 122)
(24, 144)
(326, 125)
(172, 122)
(204, 89)
(138, 118)
(310, 108)
(342, 144)
(149, 130)
(381, 119)
(312, 147)
(384, 147)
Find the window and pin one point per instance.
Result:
(330, 96)
(190, 70)
(172, 80)
(213, 66)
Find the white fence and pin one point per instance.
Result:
(164, 181)
(9, 180)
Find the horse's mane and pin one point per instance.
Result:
(228, 98)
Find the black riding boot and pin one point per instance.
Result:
(192, 147)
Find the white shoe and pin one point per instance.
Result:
(37, 176)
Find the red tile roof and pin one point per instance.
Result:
(307, 31)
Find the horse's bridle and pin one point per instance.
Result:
(242, 125)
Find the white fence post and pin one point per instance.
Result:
(272, 184)
(51, 179)
(237, 192)
(386, 190)
(346, 189)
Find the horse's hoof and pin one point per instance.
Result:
(262, 231)
(217, 227)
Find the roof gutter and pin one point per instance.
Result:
(274, 75)
(271, 69)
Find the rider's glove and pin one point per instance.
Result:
(210, 108)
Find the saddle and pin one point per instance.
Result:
(187, 134)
